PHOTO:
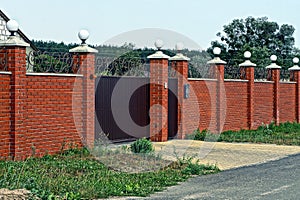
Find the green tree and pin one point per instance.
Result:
(259, 36)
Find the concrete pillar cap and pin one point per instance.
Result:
(158, 55)
(14, 41)
(296, 66)
(216, 61)
(273, 65)
(83, 48)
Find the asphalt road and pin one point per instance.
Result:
(273, 180)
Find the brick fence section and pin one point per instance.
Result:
(43, 113)
(244, 103)
(5, 113)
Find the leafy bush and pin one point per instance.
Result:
(142, 146)
(203, 135)
(199, 169)
(197, 135)
(191, 166)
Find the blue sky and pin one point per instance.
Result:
(60, 20)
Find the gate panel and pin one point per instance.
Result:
(122, 106)
(172, 108)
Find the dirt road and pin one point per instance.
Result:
(225, 155)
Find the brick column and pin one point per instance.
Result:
(274, 71)
(248, 68)
(297, 79)
(158, 96)
(295, 76)
(217, 67)
(16, 64)
(86, 57)
(181, 66)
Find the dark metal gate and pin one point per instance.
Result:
(122, 108)
(122, 105)
(172, 108)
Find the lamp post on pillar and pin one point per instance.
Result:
(87, 69)
(248, 68)
(217, 72)
(274, 75)
(217, 65)
(159, 94)
(295, 76)
(181, 66)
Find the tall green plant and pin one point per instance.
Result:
(142, 146)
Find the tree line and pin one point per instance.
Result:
(260, 36)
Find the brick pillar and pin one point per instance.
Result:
(276, 78)
(274, 72)
(158, 97)
(217, 67)
(248, 68)
(220, 114)
(87, 69)
(295, 76)
(181, 66)
(16, 64)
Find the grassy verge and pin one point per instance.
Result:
(75, 174)
(284, 134)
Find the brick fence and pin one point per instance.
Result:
(43, 113)
(240, 103)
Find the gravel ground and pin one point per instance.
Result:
(6, 194)
(225, 155)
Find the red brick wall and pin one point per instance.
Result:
(52, 115)
(4, 114)
(49, 113)
(44, 113)
(263, 103)
(287, 102)
(236, 105)
(205, 100)
(205, 91)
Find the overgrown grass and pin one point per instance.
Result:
(284, 134)
(75, 174)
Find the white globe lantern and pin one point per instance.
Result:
(83, 35)
(247, 54)
(217, 51)
(273, 58)
(12, 26)
(295, 60)
(159, 44)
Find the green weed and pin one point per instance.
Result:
(285, 134)
(75, 174)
